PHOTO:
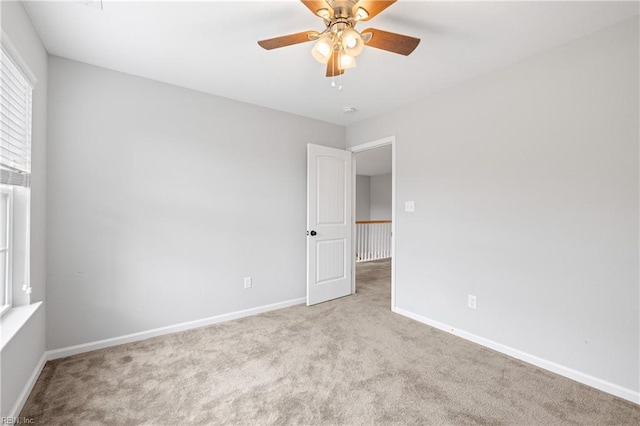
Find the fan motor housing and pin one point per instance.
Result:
(342, 8)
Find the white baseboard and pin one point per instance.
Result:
(115, 341)
(28, 387)
(570, 373)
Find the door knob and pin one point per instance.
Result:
(313, 233)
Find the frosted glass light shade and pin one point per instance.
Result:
(352, 42)
(323, 49)
(346, 61)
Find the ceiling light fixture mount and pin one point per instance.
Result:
(339, 44)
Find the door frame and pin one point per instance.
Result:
(389, 140)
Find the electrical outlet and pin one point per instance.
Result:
(472, 301)
(247, 282)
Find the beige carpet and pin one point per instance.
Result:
(349, 361)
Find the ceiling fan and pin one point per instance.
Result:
(339, 43)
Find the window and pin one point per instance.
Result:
(15, 170)
(5, 246)
(6, 206)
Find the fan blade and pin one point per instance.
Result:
(332, 66)
(288, 40)
(373, 7)
(316, 5)
(391, 42)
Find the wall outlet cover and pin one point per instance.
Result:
(472, 301)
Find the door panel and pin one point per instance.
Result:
(330, 260)
(329, 229)
(331, 192)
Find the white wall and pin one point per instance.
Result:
(161, 199)
(381, 197)
(363, 197)
(22, 358)
(526, 189)
(21, 355)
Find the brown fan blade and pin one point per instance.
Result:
(316, 5)
(288, 40)
(372, 7)
(391, 42)
(332, 66)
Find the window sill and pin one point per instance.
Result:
(14, 319)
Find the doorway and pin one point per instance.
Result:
(374, 169)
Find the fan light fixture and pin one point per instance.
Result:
(346, 61)
(323, 49)
(352, 42)
(339, 44)
(347, 43)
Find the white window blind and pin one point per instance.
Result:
(15, 124)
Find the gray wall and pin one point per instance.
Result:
(363, 197)
(373, 197)
(161, 200)
(20, 356)
(381, 197)
(526, 189)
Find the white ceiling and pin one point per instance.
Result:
(374, 162)
(211, 46)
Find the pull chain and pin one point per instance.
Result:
(333, 82)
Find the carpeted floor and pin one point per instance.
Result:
(350, 361)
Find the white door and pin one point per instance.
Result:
(329, 259)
